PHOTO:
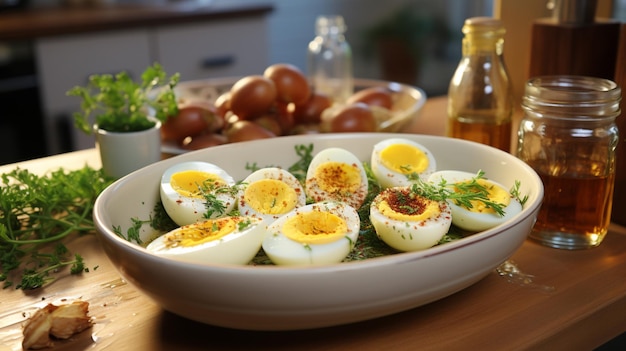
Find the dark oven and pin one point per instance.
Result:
(21, 119)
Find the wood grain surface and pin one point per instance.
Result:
(569, 300)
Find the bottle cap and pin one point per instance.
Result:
(483, 26)
(330, 24)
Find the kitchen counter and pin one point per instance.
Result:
(571, 300)
(31, 23)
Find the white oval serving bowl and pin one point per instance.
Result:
(284, 298)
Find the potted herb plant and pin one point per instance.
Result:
(126, 116)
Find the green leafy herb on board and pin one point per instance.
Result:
(36, 214)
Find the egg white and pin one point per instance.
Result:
(409, 232)
(332, 185)
(283, 250)
(190, 209)
(237, 247)
(471, 220)
(259, 204)
(391, 170)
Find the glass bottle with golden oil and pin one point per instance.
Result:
(480, 97)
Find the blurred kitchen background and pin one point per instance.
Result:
(229, 38)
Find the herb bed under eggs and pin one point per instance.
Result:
(369, 245)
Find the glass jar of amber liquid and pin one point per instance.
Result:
(568, 136)
(480, 100)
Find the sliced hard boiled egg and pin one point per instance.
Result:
(315, 234)
(269, 193)
(407, 221)
(396, 160)
(480, 216)
(193, 191)
(224, 240)
(336, 174)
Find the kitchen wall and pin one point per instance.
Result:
(292, 26)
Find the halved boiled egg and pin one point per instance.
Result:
(315, 234)
(270, 192)
(336, 174)
(394, 161)
(480, 216)
(193, 191)
(408, 221)
(224, 240)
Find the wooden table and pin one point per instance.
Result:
(576, 300)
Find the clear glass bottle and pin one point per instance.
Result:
(330, 59)
(480, 97)
(568, 136)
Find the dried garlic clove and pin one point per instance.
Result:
(37, 329)
(60, 322)
(68, 320)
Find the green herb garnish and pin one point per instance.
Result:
(516, 193)
(37, 211)
(243, 224)
(369, 245)
(160, 220)
(300, 167)
(134, 232)
(462, 193)
(209, 191)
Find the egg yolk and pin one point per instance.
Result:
(337, 177)
(495, 194)
(202, 232)
(270, 196)
(315, 227)
(404, 159)
(191, 182)
(403, 205)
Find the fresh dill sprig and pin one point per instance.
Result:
(515, 192)
(462, 193)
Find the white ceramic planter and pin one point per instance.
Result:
(123, 153)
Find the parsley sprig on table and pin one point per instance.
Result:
(36, 214)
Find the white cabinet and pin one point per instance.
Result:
(64, 62)
(222, 48)
(197, 50)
